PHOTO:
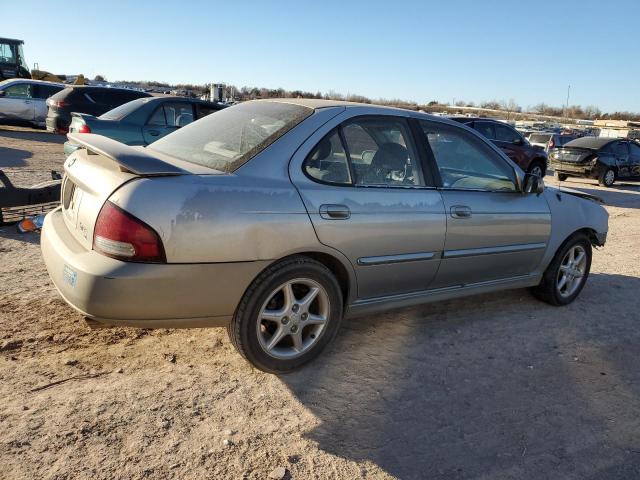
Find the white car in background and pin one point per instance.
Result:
(25, 101)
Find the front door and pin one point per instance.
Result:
(494, 231)
(367, 197)
(17, 103)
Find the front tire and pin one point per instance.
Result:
(607, 177)
(287, 316)
(537, 168)
(564, 278)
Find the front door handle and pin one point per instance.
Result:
(460, 211)
(334, 212)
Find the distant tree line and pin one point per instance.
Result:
(589, 112)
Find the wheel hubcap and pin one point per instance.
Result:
(293, 318)
(609, 177)
(572, 271)
(537, 171)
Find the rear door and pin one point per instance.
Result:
(634, 159)
(621, 153)
(368, 198)
(494, 232)
(40, 95)
(18, 103)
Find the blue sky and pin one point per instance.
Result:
(413, 50)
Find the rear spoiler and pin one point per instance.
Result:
(132, 159)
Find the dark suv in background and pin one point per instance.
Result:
(531, 159)
(83, 99)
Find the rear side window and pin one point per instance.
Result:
(465, 162)
(45, 91)
(376, 151)
(328, 161)
(176, 114)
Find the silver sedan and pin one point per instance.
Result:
(277, 218)
(23, 100)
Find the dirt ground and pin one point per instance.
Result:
(490, 387)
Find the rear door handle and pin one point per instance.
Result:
(460, 211)
(334, 212)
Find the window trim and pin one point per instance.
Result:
(487, 146)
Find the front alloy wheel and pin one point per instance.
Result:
(567, 273)
(537, 169)
(607, 177)
(572, 271)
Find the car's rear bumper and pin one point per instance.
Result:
(119, 293)
(57, 123)
(586, 170)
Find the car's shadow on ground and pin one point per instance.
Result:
(13, 157)
(31, 134)
(422, 393)
(11, 232)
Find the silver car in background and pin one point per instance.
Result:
(276, 218)
(23, 100)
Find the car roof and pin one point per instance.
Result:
(30, 80)
(591, 142)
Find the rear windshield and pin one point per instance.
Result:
(123, 110)
(539, 137)
(232, 136)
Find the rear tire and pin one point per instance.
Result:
(561, 176)
(607, 177)
(278, 325)
(574, 270)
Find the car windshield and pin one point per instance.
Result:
(227, 139)
(122, 111)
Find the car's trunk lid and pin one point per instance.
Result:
(573, 154)
(95, 171)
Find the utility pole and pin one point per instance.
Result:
(566, 108)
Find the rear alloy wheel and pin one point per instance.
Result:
(567, 273)
(537, 168)
(561, 176)
(287, 316)
(607, 177)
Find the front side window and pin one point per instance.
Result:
(178, 114)
(20, 90)
(506, 134)
(327, 162)
(465, 162)
(231, 137)
(381, 152)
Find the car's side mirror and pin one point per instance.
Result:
(533, 184)
(518, 141)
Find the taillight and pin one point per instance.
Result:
(120, 235)
(84, 128)
(57, 103)
(551, 143)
